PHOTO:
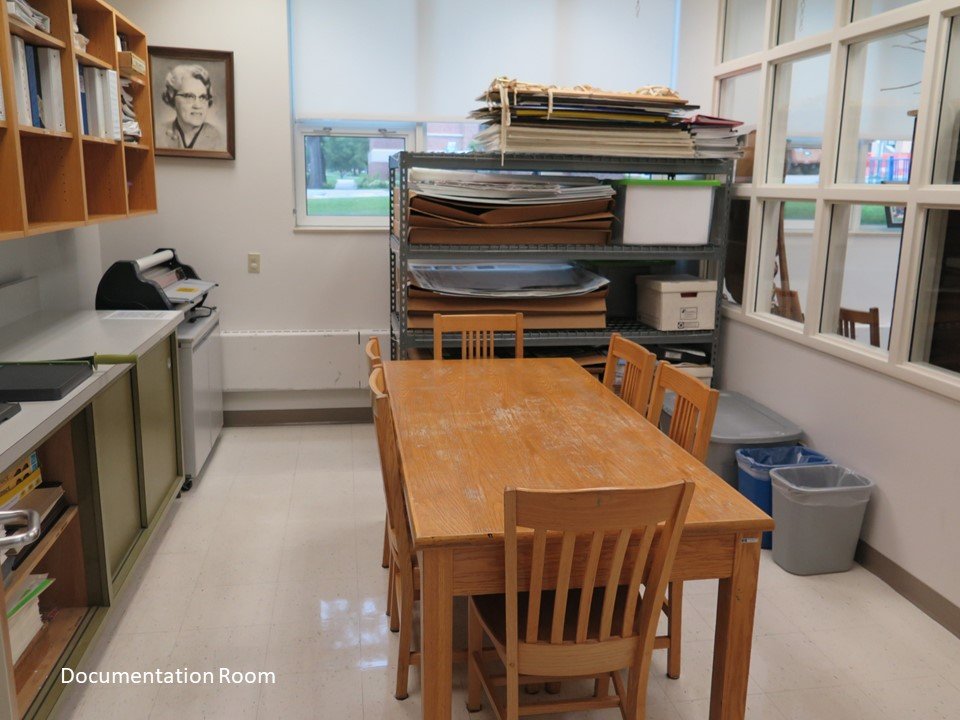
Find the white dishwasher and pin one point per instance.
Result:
(201, 390)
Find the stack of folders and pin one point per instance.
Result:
(100, 103)
(23, 613)
(526, 117)
(23, 12)
(716, 137)
(38, 85)
(467, 208)
(131, 126)
(550, 295)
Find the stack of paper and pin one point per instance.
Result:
(550, 295)
(23, 614)
(716, 137)
(131, 126)
(525, 117)
(465, 208)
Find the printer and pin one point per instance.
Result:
(160, 281)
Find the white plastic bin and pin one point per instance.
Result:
(666, 212)
(740, 423)
(819, 511)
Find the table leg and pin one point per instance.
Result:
(436, 633)
(736, 603)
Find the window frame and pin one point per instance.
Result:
(919, 196)
(408, 131)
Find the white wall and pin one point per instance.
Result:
(67, 265)
(215, 212)
(698, 27)
(901, 437)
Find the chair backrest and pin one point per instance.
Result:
(637, 375)
(476, 333)
(390, 463)
(693, 411)
(372, 351)
(788, 304)
(848, 323)
(617, 524)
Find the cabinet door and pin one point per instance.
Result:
(118, 477)
(156, 389)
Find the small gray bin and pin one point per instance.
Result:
(819, 511)
(740, 423)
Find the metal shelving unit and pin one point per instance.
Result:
(710, 257)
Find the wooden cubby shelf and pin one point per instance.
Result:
(32, 36)
(87, 59)
(37, 554)
(43, 655)
(60, 179)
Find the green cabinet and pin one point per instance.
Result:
(117, 470)
(157, 389)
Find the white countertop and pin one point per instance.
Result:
(52, 335)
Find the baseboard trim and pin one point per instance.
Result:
(913, 589)
(296, 416)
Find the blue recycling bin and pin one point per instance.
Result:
(753, 473)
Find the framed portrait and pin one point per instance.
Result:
(192, 93)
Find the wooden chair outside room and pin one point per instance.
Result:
(404, 575)
(849, 319)
(690, 427)
(571, 632)
(477, 333)
(637, 375)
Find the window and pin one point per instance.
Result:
(946, 168)
(343, 170)
(801, 18)
(880, 108)
(936, 334)
(854, 246)
(743, 28)
(796, 127)
(787, 238)
(862, 267)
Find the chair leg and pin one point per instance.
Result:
(601, 686)
(393, 600)
(512, 708)
(474, 647)
(385, 563)
(674, 625)
(405, 607)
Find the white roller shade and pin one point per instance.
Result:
(431, 58)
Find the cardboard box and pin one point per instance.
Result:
(676, 302)
(666, 212)
(131, 64)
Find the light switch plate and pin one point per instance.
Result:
(253, 262)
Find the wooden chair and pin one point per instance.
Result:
(850, 318)
(374, 360)
(372, 351)
(595, 632)
(476, 333)
(690, 427)
(404, 575)
(638, 374)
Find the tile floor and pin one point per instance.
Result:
(210, 593)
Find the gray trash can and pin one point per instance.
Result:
(740, 423)
(819, 511)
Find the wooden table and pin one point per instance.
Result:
(468, 429)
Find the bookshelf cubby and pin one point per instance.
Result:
(60, 179)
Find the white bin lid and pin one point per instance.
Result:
(742, 421)
(676, 283)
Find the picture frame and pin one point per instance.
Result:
(192, 94)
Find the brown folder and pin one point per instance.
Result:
(507, 236)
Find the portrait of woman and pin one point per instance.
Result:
(192, 102)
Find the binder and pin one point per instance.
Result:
(20, 80)
(51, 89)
(82, 93)
(94, 102)
(111, 104)
(33, 82)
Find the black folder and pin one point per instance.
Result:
(32, 383)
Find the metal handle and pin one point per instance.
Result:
(24, 537)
